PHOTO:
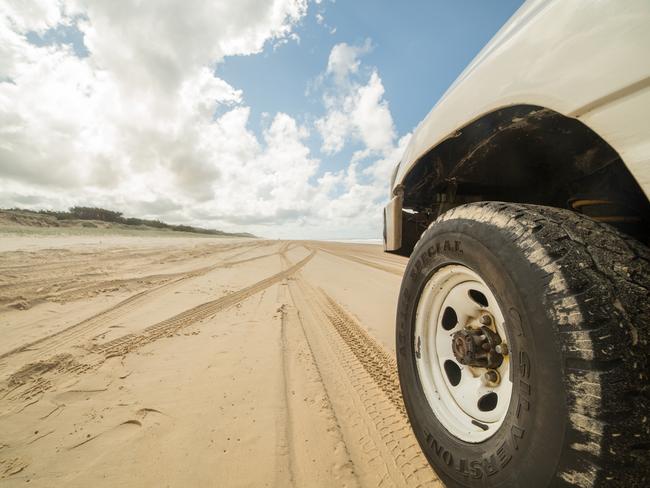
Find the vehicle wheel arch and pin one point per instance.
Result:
(505, 154)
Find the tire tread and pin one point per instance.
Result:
(605, 341)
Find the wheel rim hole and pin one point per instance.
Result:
(478, 297)
(449, 318)
(488, 402)
(453, 372)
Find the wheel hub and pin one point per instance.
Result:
(477, 347)
(462, 356)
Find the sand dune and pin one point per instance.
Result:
(201, 362)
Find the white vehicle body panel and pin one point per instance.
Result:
(583, 58)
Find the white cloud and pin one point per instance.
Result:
(139, 106)
(344, 60)
(133, 125)
(334, 129)
(371, 115)
(357, 110)
(32, 15)
(320, 20)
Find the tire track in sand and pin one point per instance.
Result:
(365, 262)
(78, 330)
(380, 365)
(170, 326)
(72, 282)
(30, 382)
(308, 412)
(361, 379)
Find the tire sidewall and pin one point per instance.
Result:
(527, 447)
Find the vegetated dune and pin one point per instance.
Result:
(201, 362)
(18, 221)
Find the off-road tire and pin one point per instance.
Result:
(575, 298)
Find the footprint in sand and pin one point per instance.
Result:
(72, 396)
(132, 422)
(118, 434)
(121, 432)
(143, 412)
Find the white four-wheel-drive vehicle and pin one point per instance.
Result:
(522, 200)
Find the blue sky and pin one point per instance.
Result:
(418, 48)
(279, 117)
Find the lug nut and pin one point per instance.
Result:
(485, 319)
(502, 349)
(491, 376)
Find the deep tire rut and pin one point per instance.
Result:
(361, 379)
(79, 330)
(170, 326)
(25, 385)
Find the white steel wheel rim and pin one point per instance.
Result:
(457, 406)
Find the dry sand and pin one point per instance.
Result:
(201, 362)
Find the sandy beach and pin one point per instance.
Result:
(128, 361)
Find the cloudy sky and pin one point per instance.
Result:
(279, 117)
